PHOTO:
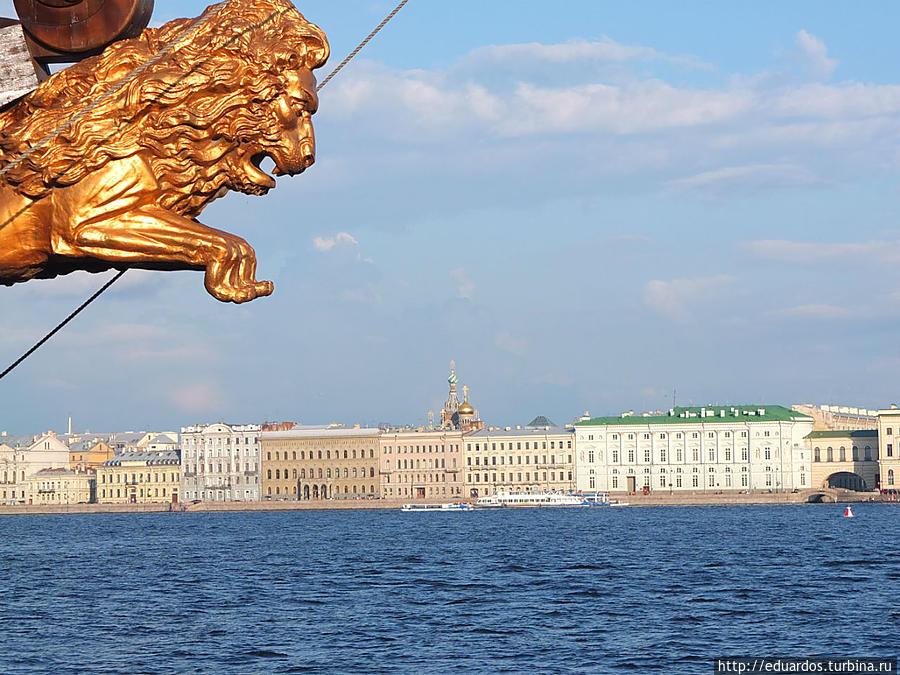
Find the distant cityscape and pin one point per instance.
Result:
(685, 450)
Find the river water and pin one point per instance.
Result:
(599, 590)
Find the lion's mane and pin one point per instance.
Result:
(209, 90)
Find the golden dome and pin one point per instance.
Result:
(466, 409)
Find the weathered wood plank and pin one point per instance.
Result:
(17, 71)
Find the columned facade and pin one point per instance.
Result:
(706, 449)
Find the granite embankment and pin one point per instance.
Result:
(653, 499)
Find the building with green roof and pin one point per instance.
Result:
(695, 449)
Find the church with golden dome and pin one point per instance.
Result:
(456, 415)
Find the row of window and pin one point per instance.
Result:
(436, 463)
(401, 449)
(301, 474)
(712, 481)
(842, 454)
(554, 476)
(494, 462)
(151, 492)
(208, 468)
(337, 454)
(663, 456)
(678, 435)
(322, 492)
(137, 477)
(187, 440)
(529, 445)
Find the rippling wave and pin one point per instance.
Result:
(661, 589)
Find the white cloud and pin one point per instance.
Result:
(675, 299)
(816, 311)
(816, 55)
(465, 287)
(328, 243)
(751, 177)
(814, 252)
(575, 51)
(338, 241)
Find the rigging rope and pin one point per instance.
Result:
(133, 74)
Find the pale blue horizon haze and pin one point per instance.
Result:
(588, 206)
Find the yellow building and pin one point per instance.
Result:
(888, 448)
(139, 478)
(320, 463)
(61, 486)
(89, 454)
(535, 458)
(844, 459)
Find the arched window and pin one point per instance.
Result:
(843, 454)
(829, 454)
(276, 454)
(302, 455)
(277, 474)
(270, 490)
(277, 490)
(295, 473)
(320, 473)
(302, 473)
(868, 454)
(346, 454)
(295, 454)
(372, 472)
(817, 455)
(270, 474)
(327, 473)
(890, 476)
(371, 453)
(855, 453)
(328, 454)
(268, 455)
(354, 454)
(320, 454)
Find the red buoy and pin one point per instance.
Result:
(848, 513)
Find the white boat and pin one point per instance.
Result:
(436, 507)
(530, 499)
(602, 499)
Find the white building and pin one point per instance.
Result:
(220, 462)
(19, 461)
(710, 448)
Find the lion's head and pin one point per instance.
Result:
(214, 96)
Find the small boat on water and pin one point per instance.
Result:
(602, 499)
(437, 507)
(517, 499)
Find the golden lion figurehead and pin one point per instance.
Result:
(212, 98)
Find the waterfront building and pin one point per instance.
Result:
(711, 448)
(20, 459)
(139, 478)
(89, 453)
(839, 417)
(888, 450)
(532, 458)
(313, 462)
(220, 462)
(421, 464)
(844, 459)
(61, 486)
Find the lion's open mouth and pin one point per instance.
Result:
(256, 175)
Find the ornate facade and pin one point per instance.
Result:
(320, 463)
(714, 448)
(61, 486)
(220, 462)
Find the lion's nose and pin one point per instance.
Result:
(308, 153)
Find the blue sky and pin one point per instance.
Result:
(585, 205)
